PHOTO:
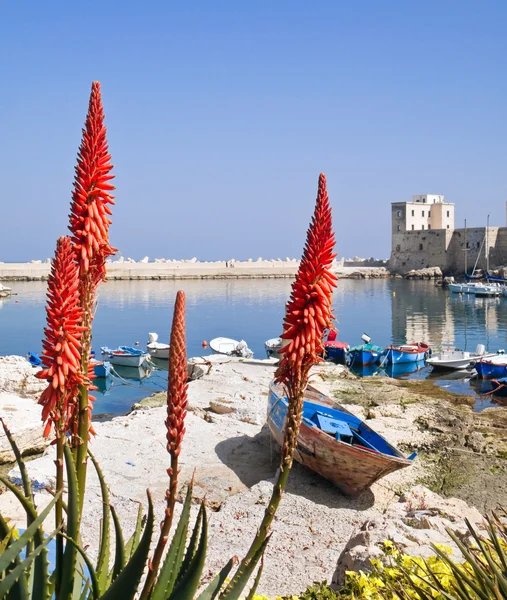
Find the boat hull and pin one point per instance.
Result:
(394, 356)
(335, 351)
(351, 468)
(102, 369)
(363, 358)
(488, 370)
(272, 348)
(159, 351)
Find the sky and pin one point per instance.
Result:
(221, 115)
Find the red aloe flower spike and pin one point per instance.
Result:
(175, 424)
(62, 346)
(89, 217)
(308, 315)
(309, 309)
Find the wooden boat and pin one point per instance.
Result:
(492, 368)
(125, 356)
(363, 355)
(156, 348)
(230, 347)
(406, 354)
(272, 347)
(458, 359)
(101, 368)
(34, 359)
(334, 349)
(334, 443)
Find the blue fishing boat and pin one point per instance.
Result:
(125, 356)
(492, 368)
(334, 443)
(34, 359)
(363, 355)
(101, 368)
(335, 350)
(410, 353)
(396, 370)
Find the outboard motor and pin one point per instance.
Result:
(152, 338)
(366, 338)
(480, 350)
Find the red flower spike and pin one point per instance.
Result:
(62, 346)
(309, 309)
(177, 385)
(89, 217)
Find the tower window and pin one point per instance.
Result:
(447, 226)
(420, 246)
(398, 248)
(429, 226)
(429, 213)
(447, 215)
(423, 227)
(398, 214)
(413, 213)
(423, 213)
(399, 228)
(413, 227)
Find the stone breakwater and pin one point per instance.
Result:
(318, 533)
(193, 269)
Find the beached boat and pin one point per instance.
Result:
(334, 443)
(101, 368)
(156, 348)
(408, 353)
(230, 347)
(492, 368)
(458, 359)
(335, 350)
(34, 359)
(125, 356)
(272, 347)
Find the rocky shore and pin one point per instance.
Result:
(461, 469)
(194, 269)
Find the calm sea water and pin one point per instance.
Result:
(389, 311)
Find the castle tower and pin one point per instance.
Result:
(426, 211)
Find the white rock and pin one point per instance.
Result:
(145, 260)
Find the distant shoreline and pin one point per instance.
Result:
(265, 269)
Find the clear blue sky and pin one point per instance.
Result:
(221, 114)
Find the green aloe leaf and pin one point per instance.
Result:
(255, 585)
(214, 587)
(241, 578)
(19, 591)
(119, 559)
(132, 543)
(105, 534)
(39, 576)
(187, 586)
(70, 553)
(18, 572)
(171, 566)
(126, 584)
(94, 587)
(16, 546)
(192, 546)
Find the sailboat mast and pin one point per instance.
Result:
(487, 248)
(466, 249)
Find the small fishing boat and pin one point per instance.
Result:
(34, 359)
(457, 288)
(365, 354)
(408, 353)
(230, 347)
(156, 348)
(334, 443)
(132, 373)
(492, 368)
(499, 387)
(125, 356)
(455, 359)
(397, 370)
(335, 350)
(272, 347)
(101, 368)
(5, 291)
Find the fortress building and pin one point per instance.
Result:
(423, 235)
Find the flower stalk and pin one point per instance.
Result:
(307, 317)
(175, 424)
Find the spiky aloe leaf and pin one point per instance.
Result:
(105, 534)
(132, 543)
(192, 546)
(70, 554)
(94, 587)
(39, 577)
(214, 587)
(19, 591)
(255, 585)
(126, 584)
(187, 586)
(16, 546)
(18, 572)
(234, 590)
(119, 558)
(169, 572)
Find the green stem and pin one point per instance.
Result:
(165, 529)
(60, 440)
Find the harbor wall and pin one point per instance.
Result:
(446, 249)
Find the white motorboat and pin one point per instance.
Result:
(222, 345)
(458, 359)
(5, 291)
(157, 349)
(125, 356)
(272, 347)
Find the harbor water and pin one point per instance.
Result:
(388, 310)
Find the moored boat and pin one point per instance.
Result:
(156, 348)
(125, 356)
(492, 368)
(335, 350)
(364, 355)
(5, 291)
(455, 359)
(334, 443)
(230, 347)
(272, 347)
(101, 368)
(407, 353)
